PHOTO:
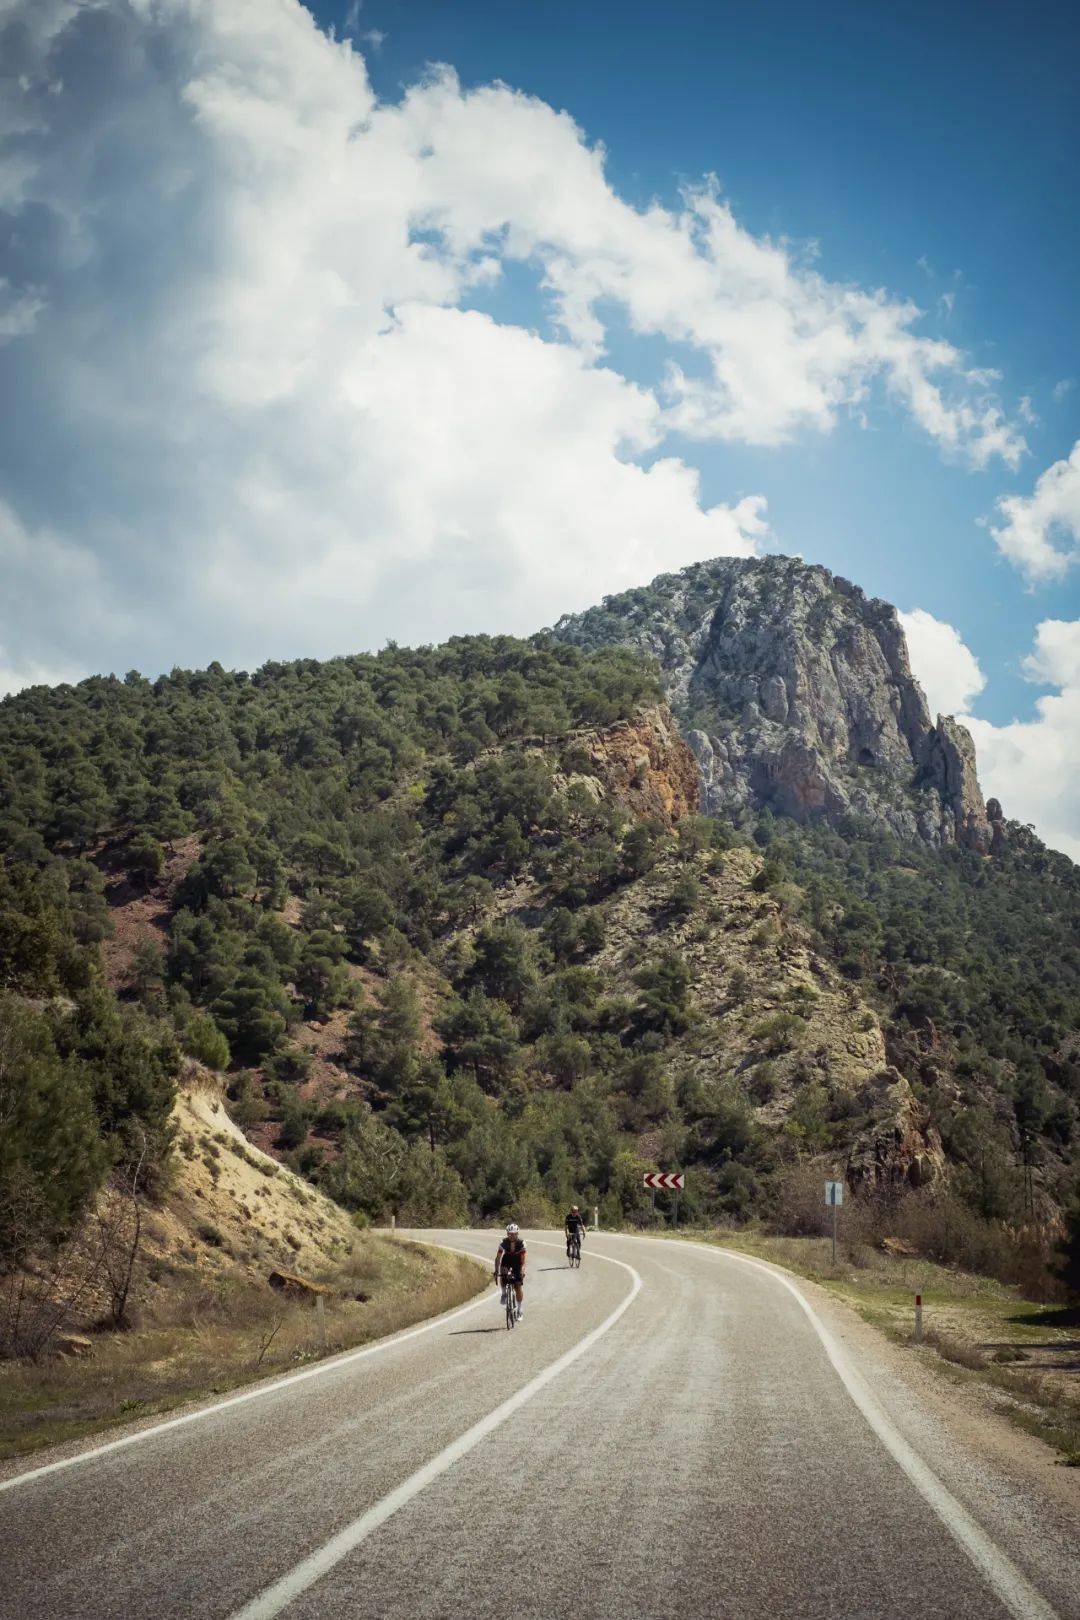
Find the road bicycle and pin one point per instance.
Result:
(510, 1300)
(573, 1249)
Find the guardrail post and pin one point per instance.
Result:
(918, 1319)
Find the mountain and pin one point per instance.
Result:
(796, 693)
(813, 738)
(473, 930)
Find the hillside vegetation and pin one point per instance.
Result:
(451, 927)
(309, 819)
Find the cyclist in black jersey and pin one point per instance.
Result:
(510, 1265)
(575, 1227)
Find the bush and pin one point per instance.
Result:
(684, 896)
(52, 1158)
(780, 1033)
(202, 1040)
(144, 859)
(797, 1200)
(943, 1228)
(762, 1083)
(664, 1002)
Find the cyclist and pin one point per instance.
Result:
(510, 1266)
(575, 1228)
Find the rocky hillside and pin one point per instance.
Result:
(961, 931)
(764, 1041)
(474, 930)
(227, 1204)
(795, 692)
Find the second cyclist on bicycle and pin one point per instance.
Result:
(575, 1232)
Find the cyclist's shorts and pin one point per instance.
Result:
(511, 1272)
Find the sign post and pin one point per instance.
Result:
(671, 1181)
(834, 1197)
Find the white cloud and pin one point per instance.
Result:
(1040, 532)
(15, 677)
(946, 669)
(1031, 766)
(1062, 388)
(18, 312)
(253, 412)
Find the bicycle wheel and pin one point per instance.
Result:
(511, 1307)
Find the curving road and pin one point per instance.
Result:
(672, 1430)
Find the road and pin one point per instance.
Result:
(671, 1430)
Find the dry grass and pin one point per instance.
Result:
(959, 1351)
(213, 1334)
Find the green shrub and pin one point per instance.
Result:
(202, 1039)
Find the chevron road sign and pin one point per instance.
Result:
(658, 1178)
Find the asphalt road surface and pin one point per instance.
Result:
(670, 1431)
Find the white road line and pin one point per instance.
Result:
(996, 1567)
(332, 1364)
(290, 1586)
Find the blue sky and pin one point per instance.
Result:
(928, 149)
(403, 319)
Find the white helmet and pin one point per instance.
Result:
(511, 1230)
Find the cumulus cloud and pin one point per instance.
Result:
(1040, 532)
(256, 409)
(1032, 766)
(945, 667)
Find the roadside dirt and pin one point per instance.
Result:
(970, 1411)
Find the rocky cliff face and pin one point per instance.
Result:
(642, 763)
(795, 692)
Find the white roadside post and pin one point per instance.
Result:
(596, 1217)
(834, 1197)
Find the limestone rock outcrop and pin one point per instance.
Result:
(900, 1146)
(645, 765)
(795, 692)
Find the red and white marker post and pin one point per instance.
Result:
(670, 1181)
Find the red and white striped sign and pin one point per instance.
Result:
(660, 1178)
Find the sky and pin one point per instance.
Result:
(321, 327)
